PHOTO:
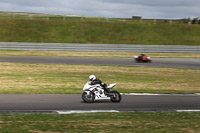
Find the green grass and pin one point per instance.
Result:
(64, 78)
(5, 52)
(26, 15)
(59, 31)
(138, 122)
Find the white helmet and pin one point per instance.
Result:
(92, 77)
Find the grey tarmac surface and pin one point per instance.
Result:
(157, 62)
(100, 47)
(48, 103)
(65, 102)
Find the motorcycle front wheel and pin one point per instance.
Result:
(116, 96)
(88, 98)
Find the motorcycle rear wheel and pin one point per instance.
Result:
(88, 98)
(116, 96)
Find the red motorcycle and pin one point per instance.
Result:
(142, 58)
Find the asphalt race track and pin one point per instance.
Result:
(50, 103)
(100, 47)
(157, 62)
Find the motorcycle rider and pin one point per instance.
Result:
(94, 80)
(141, 56)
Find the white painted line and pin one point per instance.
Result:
(194, 110)
(139, 94)
(84, 111)
(153, 94)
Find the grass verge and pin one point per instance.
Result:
(64, 78)
(155, 122)
(93, 54)
(58, 31)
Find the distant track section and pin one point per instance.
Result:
(157, 62)
(100, 47)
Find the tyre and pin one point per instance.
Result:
(138, 61)
(115, 96)
(88, 98)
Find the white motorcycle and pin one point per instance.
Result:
(92, 93)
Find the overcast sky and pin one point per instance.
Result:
(170, 9)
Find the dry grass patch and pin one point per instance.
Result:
(63, 78)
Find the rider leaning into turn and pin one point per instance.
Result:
(94, 81)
